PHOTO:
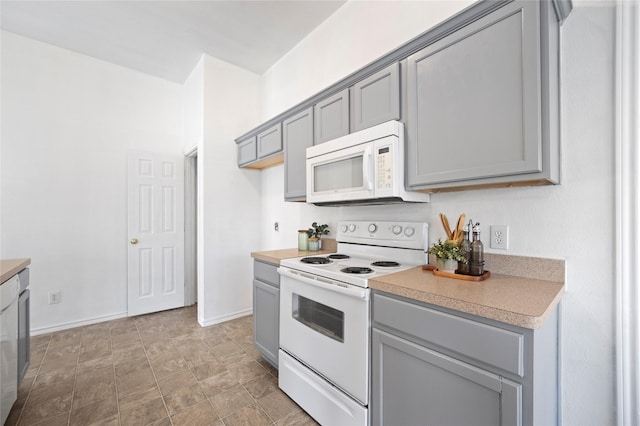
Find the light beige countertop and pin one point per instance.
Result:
(521, 291)
(516, 300)
(275, 256)
(10, 267)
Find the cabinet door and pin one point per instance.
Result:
(247, 151)
(376, 99)
(270, 141)
(474, 99)
(331, 117)
(414, 385)
(297, 133)
(266, 320)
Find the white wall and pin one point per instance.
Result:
(229, 213)
(67, 123)
(573, 221)
(355, 35)
(193, 108)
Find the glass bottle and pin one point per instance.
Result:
(465, 245)
(477, 252)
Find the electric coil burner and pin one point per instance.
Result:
(338, 256)
(325, 312)
(357, 270)
(385, 264)
(315, 260)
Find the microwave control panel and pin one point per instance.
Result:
(384, 163)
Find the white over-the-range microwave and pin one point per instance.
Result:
(365, 167)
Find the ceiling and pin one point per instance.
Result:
(167, 38)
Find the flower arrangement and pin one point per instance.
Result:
(448, 250)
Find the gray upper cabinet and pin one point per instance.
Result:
(262, 150)
(376, 99)
(480, 102)
(247, 151)
(270, 141)
(331, 116)
(297, 133)
(479, 95)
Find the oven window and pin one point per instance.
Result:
(321, 318)
(336, 175)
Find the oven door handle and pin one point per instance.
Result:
(351, 291)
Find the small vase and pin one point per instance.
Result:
(447, 265)
(314, 244)
(303, 240)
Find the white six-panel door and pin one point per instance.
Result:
(156, 232)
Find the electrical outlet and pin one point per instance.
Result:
(276, 226)
(499, 237)
(54, 297)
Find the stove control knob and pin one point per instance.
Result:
(344, 228)
(409, 231)
(352, 227)
(397, 229)
(373, 228)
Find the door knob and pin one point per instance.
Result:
(134, 241)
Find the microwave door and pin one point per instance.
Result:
(343, 175)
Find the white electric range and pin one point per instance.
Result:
(325, 316)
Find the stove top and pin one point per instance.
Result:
(354, 270)
(368, 250)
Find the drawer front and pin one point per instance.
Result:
(500, 348)
(266, 272)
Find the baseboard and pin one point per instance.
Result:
(74, 324)
(89, 321)
(223, 318)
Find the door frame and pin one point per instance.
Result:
(191, 227)
(627, 231)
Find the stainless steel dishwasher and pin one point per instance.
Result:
(9, 291)
(24, 334)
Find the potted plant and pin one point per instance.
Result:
(315, 233)
(447, 253)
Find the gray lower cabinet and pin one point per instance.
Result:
(483, 102)
(331, 117)
(376, 99)
(266, 310)
(432, 366)
(422, 386)
(297, 133)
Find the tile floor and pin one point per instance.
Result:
(155, 369)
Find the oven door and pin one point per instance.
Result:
(342, 175)
(325, 325)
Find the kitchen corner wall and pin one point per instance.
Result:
(68, 121)
(221, 102)
(572, 221)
